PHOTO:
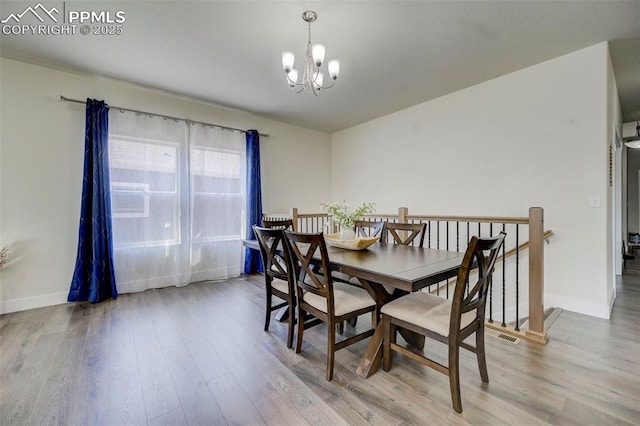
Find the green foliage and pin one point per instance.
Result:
(340, 212)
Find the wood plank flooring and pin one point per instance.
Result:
(198, 355)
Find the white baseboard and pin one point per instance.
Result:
(597, 310)
(15, 305)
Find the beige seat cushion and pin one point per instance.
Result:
(347, 298)
(281, 285)
(425, 310)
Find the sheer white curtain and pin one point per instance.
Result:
(178, 201)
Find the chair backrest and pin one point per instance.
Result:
(303, 248)
(278, 223)
(481, 254)
(406, 233)
(365, 228)
(275, 256)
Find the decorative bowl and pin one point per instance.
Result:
(359, 243)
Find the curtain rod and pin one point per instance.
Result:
(77, 101)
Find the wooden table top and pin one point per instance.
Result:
(404, 267)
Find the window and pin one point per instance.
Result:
(217, 189)
(144, 192)
(177, 201)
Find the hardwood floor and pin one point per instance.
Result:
(198, 355)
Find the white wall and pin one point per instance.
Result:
(536, 137)
(41, 158)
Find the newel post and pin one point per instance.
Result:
(294, 217)
(536, 275)
(403, 212)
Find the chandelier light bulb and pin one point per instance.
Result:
(292, 77)
(317, 51)
(318, 79)
(288, 60)
(334, 68)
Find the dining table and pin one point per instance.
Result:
(388, 271)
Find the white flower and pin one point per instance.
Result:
(340, 212)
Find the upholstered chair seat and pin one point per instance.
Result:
(427, 311)
(346, 298)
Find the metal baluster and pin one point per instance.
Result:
(517, 277)
(429, 233)
(438, 246)
(447, 249)
(457, 236)
(447, 235)
(490, 290)
(504, 282)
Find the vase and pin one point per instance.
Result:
(347, 233)
(330, 227)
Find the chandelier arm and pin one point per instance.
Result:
(291, 81)
(308, 88)
(333, 82)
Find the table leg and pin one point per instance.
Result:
(373, 355)
(283, 314)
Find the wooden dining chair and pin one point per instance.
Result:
(407, 233)
(319, 296)
(278, 223)
(278, 275)
(362, 228)
(449, 322)
(365, 228)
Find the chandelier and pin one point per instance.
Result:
(634, 141)
(312, 78)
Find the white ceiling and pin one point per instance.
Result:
(393, 54)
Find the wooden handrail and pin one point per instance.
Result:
(307, 215)
(481, 219)
(523, 246)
